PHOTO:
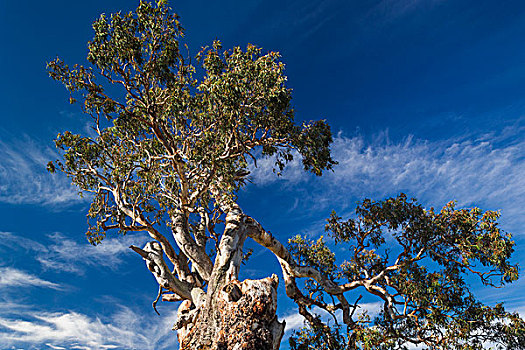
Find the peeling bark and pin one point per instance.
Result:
(231, 314)
(242, 316)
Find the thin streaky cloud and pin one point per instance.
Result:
(387, 11)
(67, 255)
(24, 178)
(125, 329)
(294, 321)
(11, 277)
(12, 241)
(63, 254)
(485, 171)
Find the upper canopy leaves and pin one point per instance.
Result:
(170, 136)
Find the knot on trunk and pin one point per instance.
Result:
(232, 291)
(242, 316)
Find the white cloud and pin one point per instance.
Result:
(486, 171)
(11, 277)
(24, 178)
(521, 311)
(294, 321)
(264, 174)
(66, 255)
(71, 330)
(12, 241)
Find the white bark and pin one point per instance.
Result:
(152, 254)
(197, 254)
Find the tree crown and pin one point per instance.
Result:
(173, 138)
(169, 138)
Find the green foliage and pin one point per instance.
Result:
(166, 135)
(321, 337)
(423, 260)
(313, 253)
(173, 138)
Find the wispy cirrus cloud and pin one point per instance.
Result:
(23, 175)
(66, 255)
(32, 327)
(11, 277)
(389, 10)
(125, 329)
(486, 170)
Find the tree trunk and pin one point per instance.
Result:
(241, 315)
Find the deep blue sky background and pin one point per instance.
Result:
(425, 97)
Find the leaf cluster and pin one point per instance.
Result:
(167, 139)
(419, 262)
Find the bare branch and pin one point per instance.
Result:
(152, 253)
(190, 248)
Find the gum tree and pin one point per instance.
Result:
(173, 139)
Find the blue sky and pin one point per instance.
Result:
(424, 97)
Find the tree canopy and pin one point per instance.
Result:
(417, 261)
(173, 138)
